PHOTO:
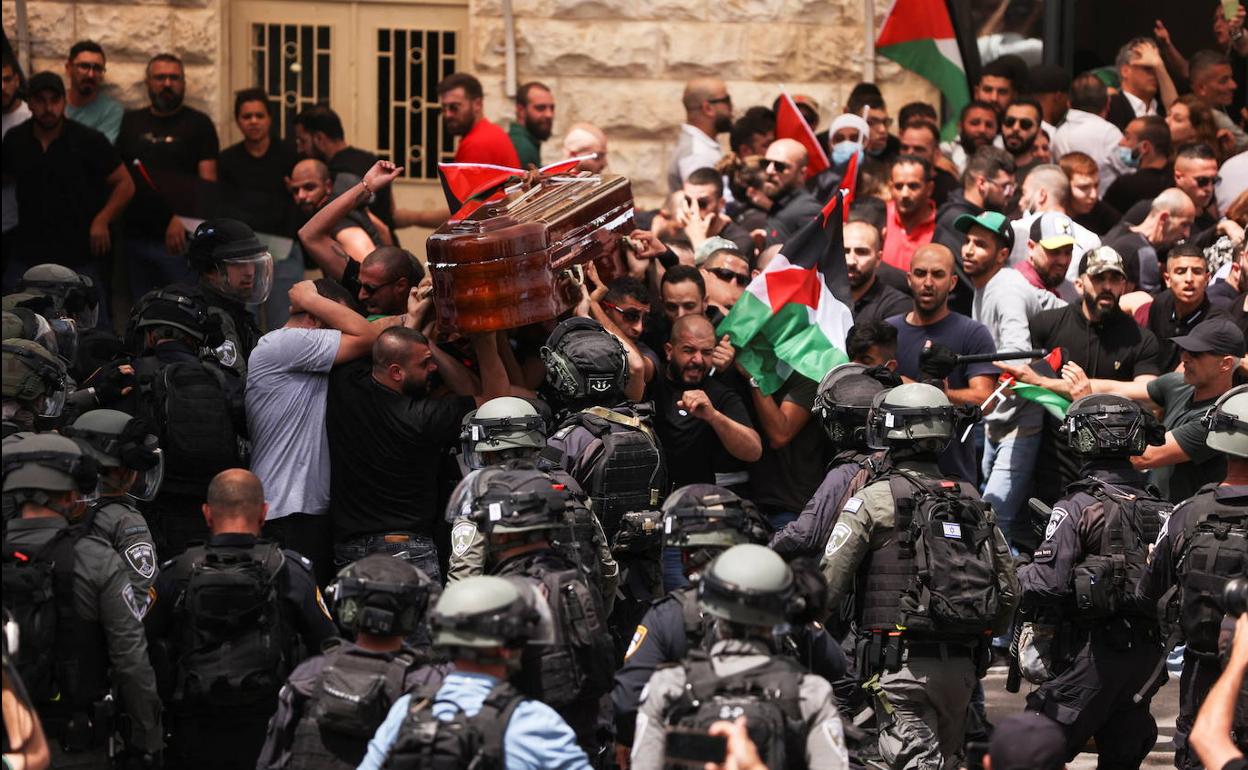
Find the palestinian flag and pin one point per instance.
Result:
(468, 185)
(795, 314)
(918, 35)
(1049, 366)
(791, 125)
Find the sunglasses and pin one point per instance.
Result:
(1206, 181)
(781, 166)
(630, 314)
(728, 276)
(1024, 123)
(720, 100)
(368, 288)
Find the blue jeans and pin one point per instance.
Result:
(151, 266)
(1007, 467)
(417, 550)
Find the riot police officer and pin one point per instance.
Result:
(235, 270)
(230, 620)
(131, 467)
(74, 296)
(1081, 585)
(749, 590)
(80, 620)
(482, 624)
(1202, 545)
(36, 386)
(333, 703)
(926, 608)
(71, 302)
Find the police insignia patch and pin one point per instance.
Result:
(137, 606)
(462, 535)
(639, 636)
(838, 538)
(142, 559)
(226, 353)
(320, 602)
(1055, 521)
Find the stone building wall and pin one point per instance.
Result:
(620, 64)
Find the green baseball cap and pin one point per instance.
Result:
(994, 221)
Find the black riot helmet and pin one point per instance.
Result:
(1105, 425)
(231, 260)
(519, 503)
(382, 595)
(585, 364)
(843, 401)
(703, 520)
(176, 308)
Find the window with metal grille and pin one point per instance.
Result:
(291, 62)
(410, 62)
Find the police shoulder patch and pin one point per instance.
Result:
(462, 535)
(1055, 520)
(852, 505)
(840, 536)
(142, 559)
(639, 636)
(137, 606)
(320, 602)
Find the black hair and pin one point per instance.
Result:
(682, 273)
(864, 95)
(522, 93)
(756, 120)
(626, 287)
(87, 46)
(165, 57)
(977, 104)
(914, 160)
(709, 176)
(1156, 131)
(251, 95)
(320, 118)
(1088, 93)
(862, 336)
(472, 86)
(916, 110)
(1195, 151)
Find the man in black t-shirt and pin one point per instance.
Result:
(319, 134)
(700, 422)
(170, 148)
(388, 438)
(1141, 246)
(1183, 305)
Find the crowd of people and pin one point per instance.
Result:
(260, 510)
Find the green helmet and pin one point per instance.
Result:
(73, 295)
(483, 611)
(706, 516)
(47, 462)
(750, 585)
(909, 414)
(1227, 422)
(500, 424)
(117, 440)
(34, 376)
(381, 595)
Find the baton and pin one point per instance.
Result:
(1008, 355)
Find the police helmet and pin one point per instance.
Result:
(842, 402)
(1106, 425)
(35, 377)
(48, 463)
(483, 611)
(517, 500)
(74, 295)
(117, 440)
(914, 414)
(231, 260)
(751, 585)
(381, 595)
(585, 362)
(173, 307)
(1227, 423)
(58, 335)
(706, 516)
(501, 424)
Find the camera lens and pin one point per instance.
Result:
(1235, 597)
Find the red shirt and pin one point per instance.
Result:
(899, 243)
(487, 143)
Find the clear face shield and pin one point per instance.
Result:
(52, 403)
(147, 483)
(65, 332)
(245, 279)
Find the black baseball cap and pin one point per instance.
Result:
(1213, 335)
(1027, 741)
(45, 81)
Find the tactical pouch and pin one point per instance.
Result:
(640, 534)
(1095, 597)
(1035, 651)
(352, 702)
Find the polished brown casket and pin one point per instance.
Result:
(518, 261)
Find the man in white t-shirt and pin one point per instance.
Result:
(15, 111)
(287, 383)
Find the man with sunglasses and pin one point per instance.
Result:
(784, 174)
(1196, 173)
(85, 102)
(726, 272)
(1020, 127)
(1145, 146)
(696, 213)
(708, 113)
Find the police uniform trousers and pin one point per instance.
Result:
(1094, 698)
(929, 696)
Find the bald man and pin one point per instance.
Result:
(784, 173)
(703, 424)
(586, 139)
(231, 615)
(1144, 246)
(708, 113)
(311, 186)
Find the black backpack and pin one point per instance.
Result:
(60, 656)
(808, 534)
(196, 407)
(947, 530)
(626, 469)
(238, 647)
(768, 696)
(1215, 549)
(1104, 583)
(428, 743)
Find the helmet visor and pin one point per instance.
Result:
(246, 279)
(147, 484)
(53, 403)
(65, 330)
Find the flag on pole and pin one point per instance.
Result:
(795, 314)
(918, 35)
(791, 125)
(482, 182)
(1049, 366)
(849, 185)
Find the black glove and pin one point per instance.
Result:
(110, 381)
(936, 361)
(812, 587)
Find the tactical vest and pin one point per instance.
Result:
(428, 743)
(629, 474)
(348, 702)
(1215, 549)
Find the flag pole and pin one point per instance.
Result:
(868, 51)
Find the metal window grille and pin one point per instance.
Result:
(291, 62)
(410, 62)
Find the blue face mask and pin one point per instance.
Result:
(843, 151)
(1127, 156)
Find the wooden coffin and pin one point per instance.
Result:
(515, 262)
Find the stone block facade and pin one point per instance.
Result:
(620, 64)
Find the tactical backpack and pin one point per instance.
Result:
(939, 574)
(61, 657)
(428, 743)
(768, 696)
(197, 412)
(349, 701)
(1215, 549)
(808, 534)
(626, 470)
(237, 651)
(1104, 583)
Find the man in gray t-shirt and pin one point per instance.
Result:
(287, 385)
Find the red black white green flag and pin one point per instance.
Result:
(477, 183)
(918, 35)
(791, 125)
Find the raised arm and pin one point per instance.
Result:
(317, 234)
